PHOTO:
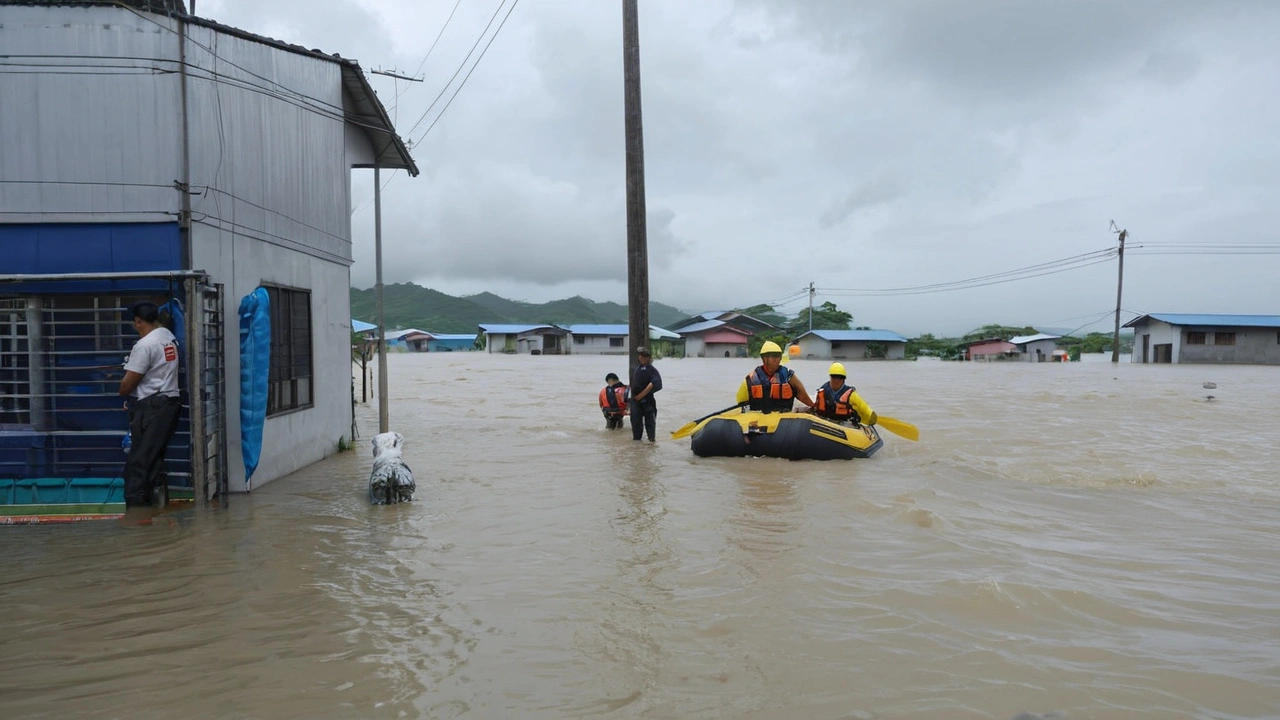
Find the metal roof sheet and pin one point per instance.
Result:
(359, 326)
(700, 327)
(397, 334)
(452, 336)
(500, 329)
(585, 329)
(1268, 321)
(1024, 339)
(857, 335)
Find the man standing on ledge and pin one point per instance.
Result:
(644, 409)
(151, 378)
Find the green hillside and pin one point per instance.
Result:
(407, 305)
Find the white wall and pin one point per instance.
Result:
(596, 345)
(293, 440)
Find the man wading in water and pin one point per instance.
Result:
(151, 379)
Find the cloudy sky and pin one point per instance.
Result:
(857, 145)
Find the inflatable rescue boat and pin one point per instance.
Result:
(790, 435)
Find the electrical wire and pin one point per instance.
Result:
(461, 65)
(1048, 268)
(433, 45)
(462, 84)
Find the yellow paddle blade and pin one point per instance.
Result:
(686, 430)
(899, 428)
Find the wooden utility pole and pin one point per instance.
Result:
(1115, 340)
(637, 238)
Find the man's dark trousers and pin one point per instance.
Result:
(644, 418)
(152, 421)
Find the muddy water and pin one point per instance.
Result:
(1081, 541)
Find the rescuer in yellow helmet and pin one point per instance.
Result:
(839, 402)
(772, 387)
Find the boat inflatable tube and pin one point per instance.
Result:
(789, 435)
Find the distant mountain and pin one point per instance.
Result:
(407, 305)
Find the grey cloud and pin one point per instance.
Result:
(866, 195)
(931, 140)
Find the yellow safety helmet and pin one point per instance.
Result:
(836, 369)
(770, 346)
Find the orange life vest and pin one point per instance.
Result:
(614, 399)
(770, 394)
(834, 404)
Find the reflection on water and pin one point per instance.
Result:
(1088, 540)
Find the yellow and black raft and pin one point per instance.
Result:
(789, 435)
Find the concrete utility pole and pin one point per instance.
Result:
(810, 307)
(1115, 340)
(637, 238)
(384, 415)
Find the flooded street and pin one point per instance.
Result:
(1090, 540)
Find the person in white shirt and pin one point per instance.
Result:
(151, 380)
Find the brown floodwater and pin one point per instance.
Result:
(1078, 541)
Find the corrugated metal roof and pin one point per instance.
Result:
(857, 335)
(655, 332)
(500, 329)
(359, 326)
(1024, 339)
(586, 329)
(700, 327)
(1267, 321)
(396, 335)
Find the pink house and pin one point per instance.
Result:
(989, 349)
(714, 338)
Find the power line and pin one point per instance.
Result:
(473, 69)
(1031, 271)
(433, 44)
(461, 65)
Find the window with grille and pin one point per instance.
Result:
(289, 385)
(15, 371)
(1195, 338)
(1224, 338)
(579, 339)
(615, 342)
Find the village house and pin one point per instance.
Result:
(1219, 339)
(990, 349)
(852, 345)
(524, 339)
(714, 338)
(166, 157)
(613, 339)
(1040, 347)
(411, 339)
(451, 342)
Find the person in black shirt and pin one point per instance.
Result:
(645, 381)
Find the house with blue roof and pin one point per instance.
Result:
(524, 339)
(852, 345)
(1217, 339)
(613, 340)
(451, 342)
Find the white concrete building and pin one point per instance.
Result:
(164, 155)
(852, 345)
(1205, 338)
(1036, 348)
